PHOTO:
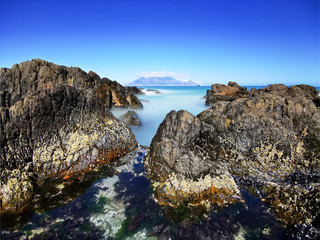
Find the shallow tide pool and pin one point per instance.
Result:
(122, 207)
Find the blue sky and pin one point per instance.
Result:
(210, 41)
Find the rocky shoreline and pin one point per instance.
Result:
(56, 128)
(265, 141)
(55, 123)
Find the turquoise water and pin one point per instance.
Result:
(157, 106)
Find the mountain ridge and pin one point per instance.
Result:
(161, 81)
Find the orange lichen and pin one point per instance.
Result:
(67, 175)
(216, 196)
(227, 123)
(103, 92)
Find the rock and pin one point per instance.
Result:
(116, 95)
(181, 171)
(54, 123)
(134, 102)
(131, 119)
(316, 101)
(134, 90)
(37, 74)
(147, 101)
(220, 92)
(266, 143)
(266, 139)
(154, 90)
(298, 91)
(108, 211)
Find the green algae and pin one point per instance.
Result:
(99, 206)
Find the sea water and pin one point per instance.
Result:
(157, 105)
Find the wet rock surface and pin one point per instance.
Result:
(55, 123)
(120, 205)
(131, 118)
(266, 143)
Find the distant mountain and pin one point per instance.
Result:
(161, 81)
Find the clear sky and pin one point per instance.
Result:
(253, 42)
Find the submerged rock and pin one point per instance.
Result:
(109, 212)
(55, 123)
(131, 118)
(258, 142)
(154, 90)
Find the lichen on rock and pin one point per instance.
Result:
(266, 141)
(181, 171)
(54, 123)
(131, 118)
(219, 191)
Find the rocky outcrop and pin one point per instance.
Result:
(115, 95)
(131, 118)
(267, 144)
(55, 123)
(220, 92)
(30, 76)
(295, 91)
(179, 168)
(134, 90)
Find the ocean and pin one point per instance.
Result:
(117, 202)
(157, 106)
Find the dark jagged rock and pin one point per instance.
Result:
(316, 101)
(131, 118)
(268, 142)
(134, 90)
(55, 123)
(37, 74)
(179, 168)
(294, 91)
(116, 95)
(220, 92)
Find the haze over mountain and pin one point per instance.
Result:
(161, 81)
